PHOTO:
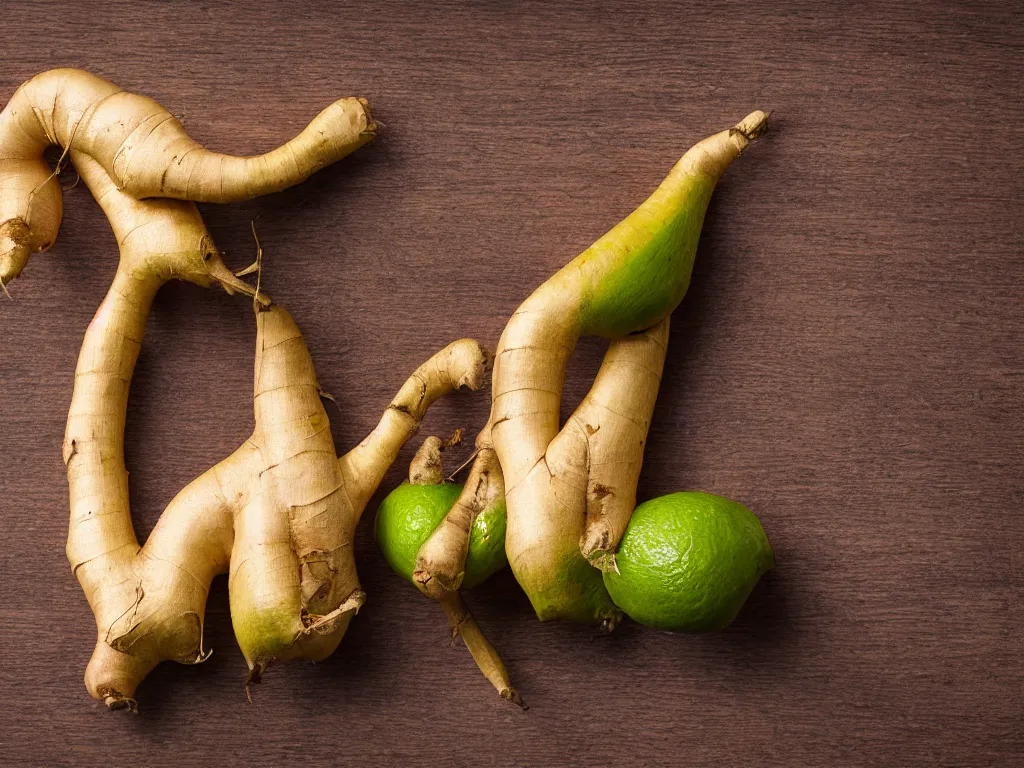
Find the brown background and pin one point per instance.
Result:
(847, 363)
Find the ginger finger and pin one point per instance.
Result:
(143, 149)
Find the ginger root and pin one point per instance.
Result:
(292, 580)
(435, 552)
(441, 559)
(149, 601)
(570, 490)
(278, 515)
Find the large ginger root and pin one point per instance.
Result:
(570, 490)
(144, 151)
(148, 602)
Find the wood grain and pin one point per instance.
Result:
(848, 363)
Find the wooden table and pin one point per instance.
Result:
(847, 363)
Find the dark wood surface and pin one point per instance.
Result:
(848, 363)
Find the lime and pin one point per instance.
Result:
(410, 513)
(688, 561)
(486, 545)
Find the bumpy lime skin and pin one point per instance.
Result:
(407, 517)
(688, 561)
(486, 545)
(410, 513)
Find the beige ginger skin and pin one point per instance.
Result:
(144, 151)
(570, 489)
(279, 513)
(292, 578)
(441, 559)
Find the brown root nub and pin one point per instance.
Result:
(436, 585)
(454, 440)
(198, 657)
(115, 701)
(255, 677)
(511, 694)
(753, 125)
(372, 126)
(15, 249)
(326, 624)
(603, 561)
(427, 466)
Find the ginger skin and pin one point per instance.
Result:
(143, 149)
(293, 582)
(159, 239)
(570, 490)
(278, 515)
(148, 601)
(441, 559)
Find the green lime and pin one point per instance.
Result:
(410, 513)
(688, 561)
(486, 545)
